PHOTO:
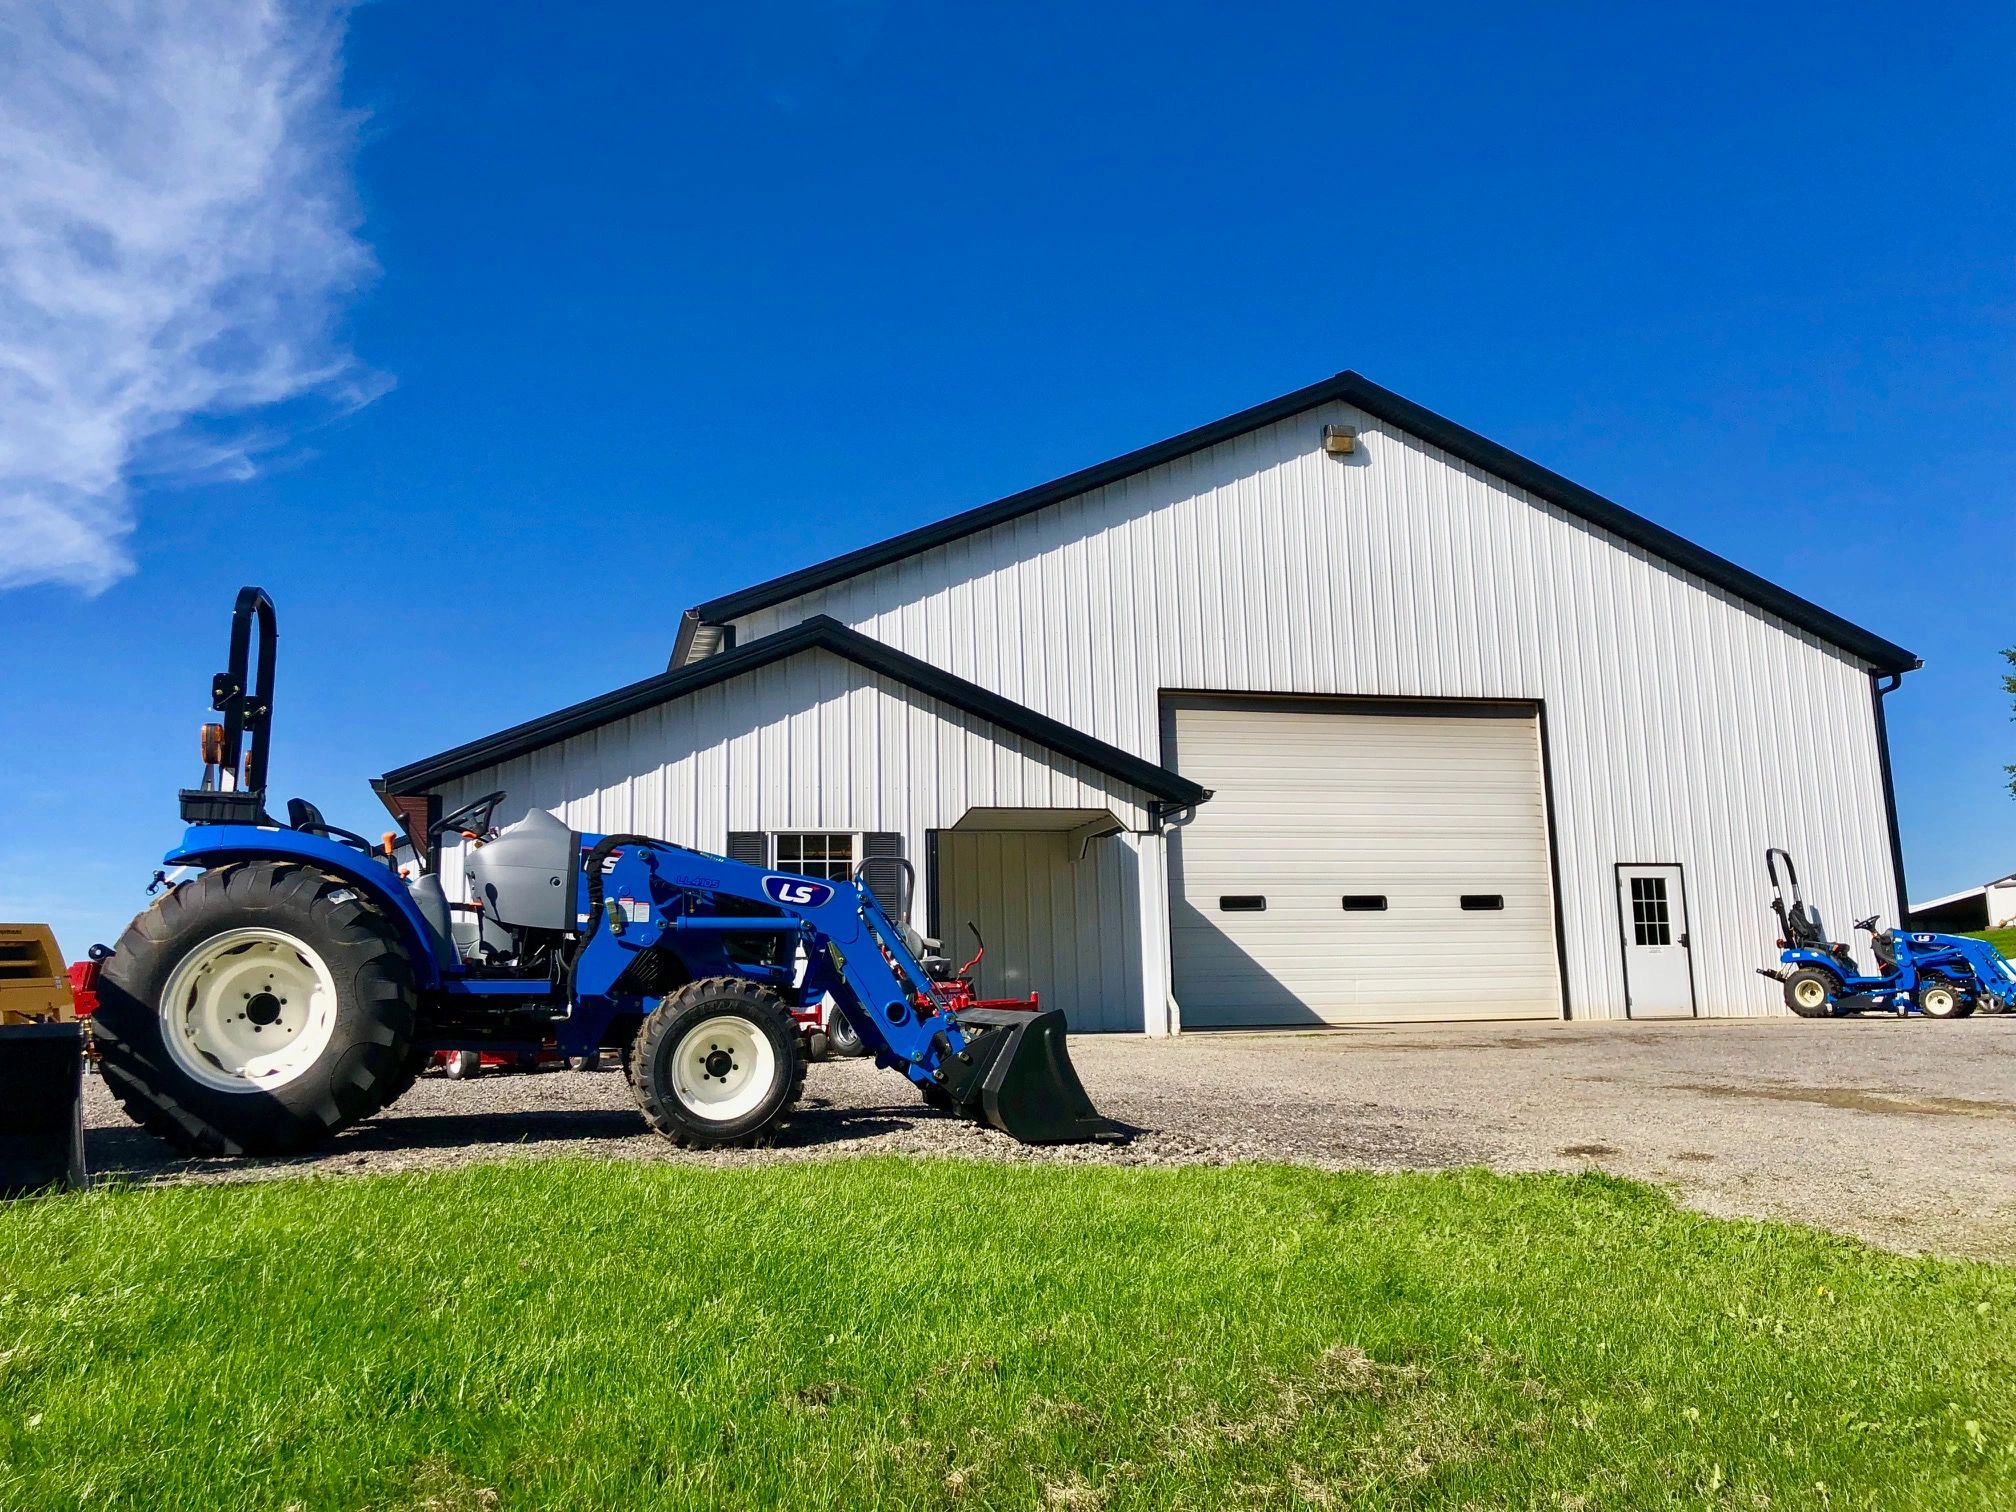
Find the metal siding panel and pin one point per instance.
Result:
(1684, 727)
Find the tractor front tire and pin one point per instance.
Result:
(1810, 992)
(1942, 1000)
(256, 1010)
(717, 1064)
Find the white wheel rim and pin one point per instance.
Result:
(1938, 1002)
(723, 1068)
(248, 1010)
(1810, 994)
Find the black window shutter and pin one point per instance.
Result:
(884, 881)
(751, 847)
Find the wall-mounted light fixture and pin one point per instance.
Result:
(1340, 440)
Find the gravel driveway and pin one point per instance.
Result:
(1901, 1132)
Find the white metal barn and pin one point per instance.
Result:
(1330, 712)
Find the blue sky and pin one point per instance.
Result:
(524, 327)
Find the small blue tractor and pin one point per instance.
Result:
(1939, 976)
(298, 981)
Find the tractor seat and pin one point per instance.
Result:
(301, 815)
(1802, 929)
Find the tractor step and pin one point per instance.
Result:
(1017, 1076)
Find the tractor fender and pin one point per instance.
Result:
(210, 845)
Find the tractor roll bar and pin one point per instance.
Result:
(906, 892)
(247, 706)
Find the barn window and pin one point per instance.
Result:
(1364, 902)
(1483, 902)
(1242, 903)
(826, 855)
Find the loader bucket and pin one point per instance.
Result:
(41, 1107)
(1017, 1076)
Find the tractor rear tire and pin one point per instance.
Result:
(417, 1060)
(1810, 992)
(1942, 1000)
(197, 980)
(717, 1064)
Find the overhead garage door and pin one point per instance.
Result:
(1360, 863)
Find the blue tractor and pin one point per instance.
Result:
(300, 976)
(1939, 976)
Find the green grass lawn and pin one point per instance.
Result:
(907, 1333)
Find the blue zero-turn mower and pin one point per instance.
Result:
(298, 982)
(1939, 976)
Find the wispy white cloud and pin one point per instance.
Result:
(177, 235)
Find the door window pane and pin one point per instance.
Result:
(1650, 922)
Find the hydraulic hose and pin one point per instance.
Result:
(604, 849)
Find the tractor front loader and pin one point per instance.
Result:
(298, 981)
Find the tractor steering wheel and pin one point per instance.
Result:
(1868, 923)
(473, 816)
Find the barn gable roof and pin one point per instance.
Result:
(820, 633)
(1363, 394)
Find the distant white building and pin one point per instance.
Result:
(1329, 712)
(1992, 905)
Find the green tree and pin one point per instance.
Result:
(2009, 687)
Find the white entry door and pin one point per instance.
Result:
(1652, 907)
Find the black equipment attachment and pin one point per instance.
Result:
(41, 1107)
(1017, 1076)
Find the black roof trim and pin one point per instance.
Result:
(1384, 404)
(682, 643)
(820, 633)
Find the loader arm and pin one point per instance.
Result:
(641, 895)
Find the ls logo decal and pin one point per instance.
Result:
(796, 892)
